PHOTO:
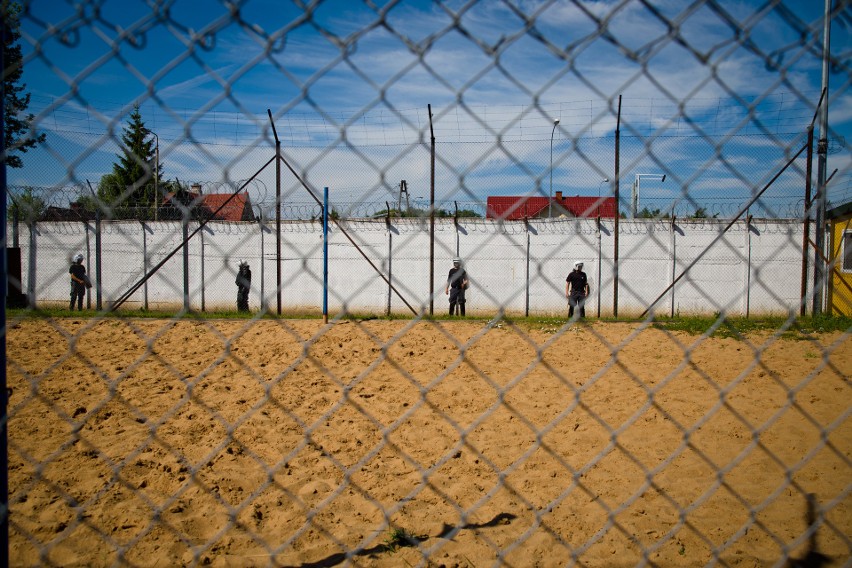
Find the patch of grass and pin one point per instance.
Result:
(717, 326)
(400, 538)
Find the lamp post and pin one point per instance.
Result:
(550, 201)
(603, 181)
(635, 196)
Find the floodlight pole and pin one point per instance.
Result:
(156, 171)
(432, 219)
(277, 211)
(617, 196)
(325, 255)
(635, 196)
(550, 200)
(820, 268)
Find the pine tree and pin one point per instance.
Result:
(19, 135)
(131, 184)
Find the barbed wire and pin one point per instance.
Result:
(58, 203)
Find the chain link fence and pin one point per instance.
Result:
(158, 427)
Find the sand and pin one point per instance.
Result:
(396, 443)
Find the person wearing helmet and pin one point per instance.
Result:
(457, 283)
(79, 282)
(577, 290)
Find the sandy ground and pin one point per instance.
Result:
(234, 443)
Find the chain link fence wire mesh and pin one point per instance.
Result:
(667, 146)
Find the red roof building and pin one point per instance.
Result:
(513, 208)
(233, 207)
(237, 209)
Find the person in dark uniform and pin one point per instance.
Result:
(577, 290)
(457, 283)
(243, 284)
(79, 282)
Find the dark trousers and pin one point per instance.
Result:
(457, 301)
(77, 293)
(243, 299)
(575, 300)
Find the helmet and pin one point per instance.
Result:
(78, 257)
(456, 260)
(578, 264)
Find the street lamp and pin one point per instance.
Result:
(603, 181)
(550, 201)
(635, 196)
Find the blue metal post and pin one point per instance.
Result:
(325, 255)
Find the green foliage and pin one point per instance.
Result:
(131, 184)
(652, 214)
(399, 538)
(27, 207)
(791, 328)
(701, 213)
(18, 126)
(417, 212)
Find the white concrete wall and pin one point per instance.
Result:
(753, 269)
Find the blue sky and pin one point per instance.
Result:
(349, 85)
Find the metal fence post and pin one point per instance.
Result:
(390, 255)
(527, 293)
(185, 234)
(144, 264)
(99, 281)
(15, 225)
(748, 266)
(203, 289)
(88, 259)
(600, 260)
(264, 306)
(673, 241)
(31, 266)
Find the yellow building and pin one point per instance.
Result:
(839, 220)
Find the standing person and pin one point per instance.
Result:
(243, 285)
(577, 290)
(457, 283)
(79, 282)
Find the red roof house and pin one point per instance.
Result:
(237, 209)
(513, 208)
(233, 207)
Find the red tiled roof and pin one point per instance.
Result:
(237, 209)
(512, 208)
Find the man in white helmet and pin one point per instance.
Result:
(577, 289)
(79, 281)
(457, 283)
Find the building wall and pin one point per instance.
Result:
(750, 270)
(840, 296)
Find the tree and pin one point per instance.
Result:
(648, 213)
(19, 133)
(701, 213)
(131, 184)
(27, 206)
